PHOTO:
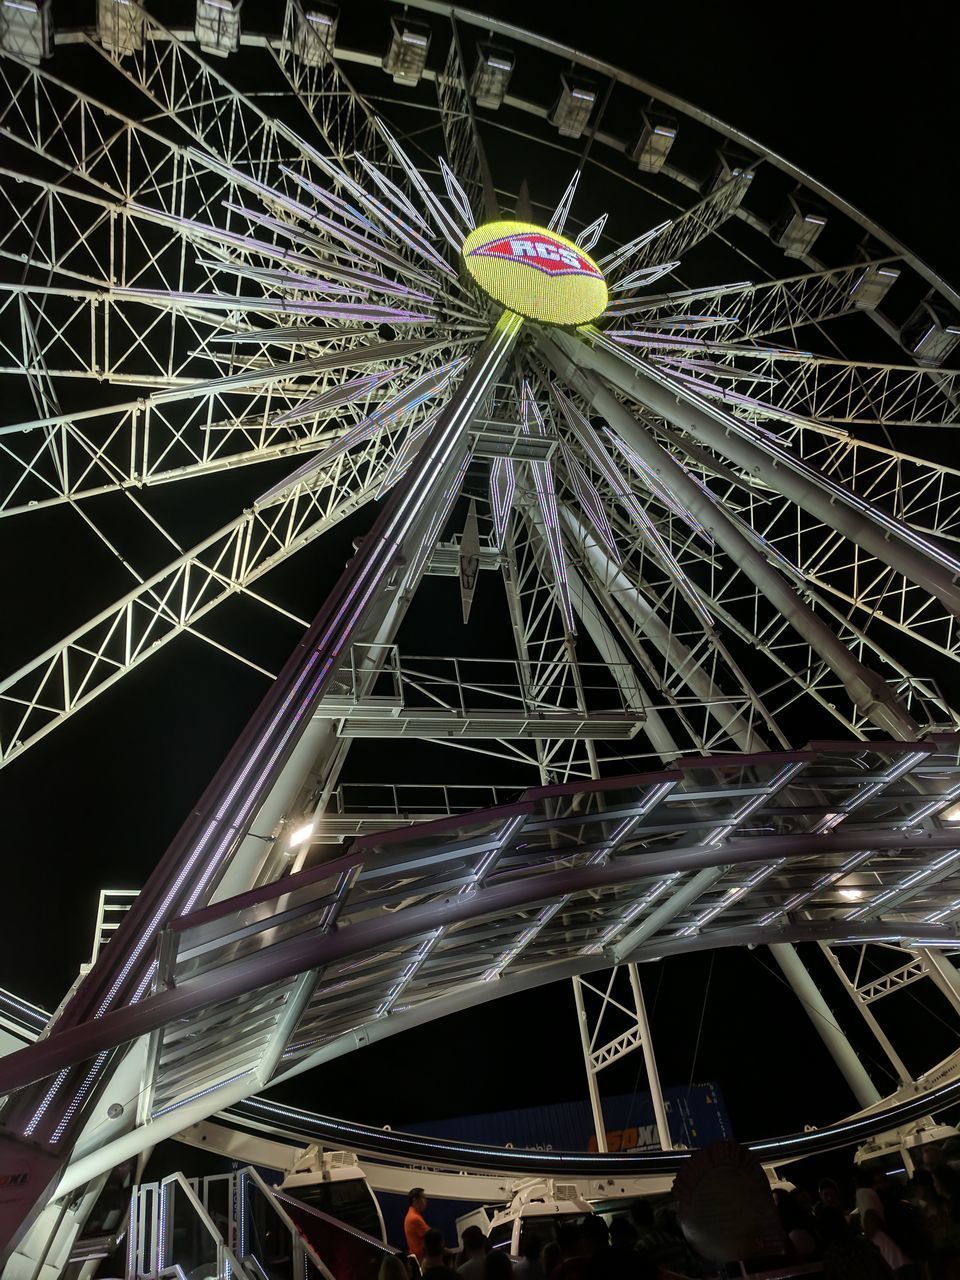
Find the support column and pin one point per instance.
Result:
(903, 1075)
(609, 577)
(941, 971)
(41, 1124)
(786, 474)
(825, 1024)
(650, 1061)
(866, 689)
(592, 1087)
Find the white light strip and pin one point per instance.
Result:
(503, 486)
(533, 424)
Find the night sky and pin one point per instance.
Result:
(865, 104)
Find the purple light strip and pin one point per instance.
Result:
(692, 322)
(284, 306)
(547, 501)
(420, 389)
(440, 216)
(400, 229)
(406, 453)
(593, 446)
(307, 239)
(503, 486)
(343, 393)
(289, 280)
(711, 367)
(271, 196)
(591, 503)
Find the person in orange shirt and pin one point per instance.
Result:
(415, 1226)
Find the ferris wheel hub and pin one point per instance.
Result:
(535, 273)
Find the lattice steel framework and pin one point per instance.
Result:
(707, 540)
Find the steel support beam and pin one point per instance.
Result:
(825, 1024)
(863, 1008)
(650, 1060)
(833, 506)
(608, 577)
(942, 972)
(205, 847)
(868, 692)
(593, 1088)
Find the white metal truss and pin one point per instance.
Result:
(704, 546)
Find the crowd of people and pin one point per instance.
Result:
(879, 1229)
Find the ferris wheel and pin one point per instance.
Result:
(664, 406)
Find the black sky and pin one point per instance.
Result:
(864, 102)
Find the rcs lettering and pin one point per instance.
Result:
(524, 247)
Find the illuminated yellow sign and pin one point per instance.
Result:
(535, 273)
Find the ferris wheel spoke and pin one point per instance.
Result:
(68, 676)
(830, 392)
(865, 688)
(881, 535)
(731, 589)
(675, 238)
(743, 312)
(465, 151)
(823, 564)
(177, 434)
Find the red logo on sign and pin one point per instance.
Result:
(534, 249)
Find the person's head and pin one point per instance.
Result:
(474, 1241)
(568, 1238)
(594, 1233)
(498, 1266)
(829, 1193)
(623, 1234)
(393, 1267)
(832, 1226)
(418, 1199)
(433, 1246)
(530, 1246)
